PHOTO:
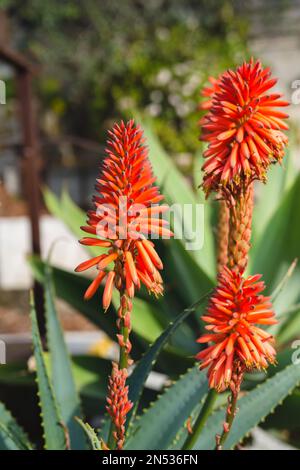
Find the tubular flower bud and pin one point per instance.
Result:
(208, 93)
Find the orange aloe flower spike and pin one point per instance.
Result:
(242, 127)
(235, 309)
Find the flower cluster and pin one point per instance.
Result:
(244, 132)
(118, 405)
(242, 127)
(234, 310)
(126, 215)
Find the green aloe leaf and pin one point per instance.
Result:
(71, 287)
(159, 425)
(74, 217)
(278, 245)
(61, 370)
(91, 434)
(54, 428)
(269, 197)
(55, 206)
(253, 408)
(9, 441)
(289, 327)
(185, 274)
(287, 415)
(90, 374)
(177, 191)
(12, 436)
(137, 379)
(68, 212)
(142, 370)
(283, 296)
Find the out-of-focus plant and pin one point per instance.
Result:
(156, 59)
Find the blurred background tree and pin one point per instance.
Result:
(103, 59)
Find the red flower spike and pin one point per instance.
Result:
(235, 308)
(242, 127)
(125, 214)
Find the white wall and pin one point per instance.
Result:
(15, 247)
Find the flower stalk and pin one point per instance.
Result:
(235, 387)
(116, 436)
(125, 217)
(206, 410)
(244, 132)
(222, 235)
(124, 326)
(240, 224)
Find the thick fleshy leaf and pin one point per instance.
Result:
(91, 434)
(137, 379)
(54, 428)
(177, 191)
(186, 277)
(141, 372)
(61, 370)
(279, 245)
(253, 408)
(68, 212)
(12, 436)
(159, 425)
(269, 196)
(71, 287)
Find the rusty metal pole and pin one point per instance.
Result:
(31, 170)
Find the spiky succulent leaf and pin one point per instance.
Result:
(253, 408)
(55, 435)
(159, 425)
(141, 372)
(61, 370)
(91, 434)
(177, 191)
(137, 379)
(12, 436)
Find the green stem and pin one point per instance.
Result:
(229, 420)
(201, 420)
(235, 386)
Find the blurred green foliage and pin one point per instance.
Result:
(103, 59)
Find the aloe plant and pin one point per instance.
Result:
(163, 424)
(69, 389)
